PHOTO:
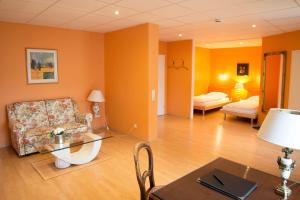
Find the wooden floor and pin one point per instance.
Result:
(183, 145)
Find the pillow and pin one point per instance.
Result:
(254, 98)
(218, 94)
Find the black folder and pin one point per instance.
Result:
(228, 184)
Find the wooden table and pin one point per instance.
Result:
(187, 187)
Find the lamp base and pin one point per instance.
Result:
(283, 191)
(96, 110)
(97, 115)
(286, 166)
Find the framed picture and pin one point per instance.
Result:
(41, 66)
(242, 69)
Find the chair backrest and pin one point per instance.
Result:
(142, 177)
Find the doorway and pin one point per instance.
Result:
(161, 85)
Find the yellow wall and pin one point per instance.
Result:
(224, 61)
(211, 63)
(282, 42)
(80, 67)
(180, 81)
(131, 57)
(202, 71)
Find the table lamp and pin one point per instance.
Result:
(239, 91)
(96, 97)
(239, 86)
(282, 127)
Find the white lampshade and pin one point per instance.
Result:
(96, 96)
(281, 127)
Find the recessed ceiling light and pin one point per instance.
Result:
(253, 25)
(179, 35)
(117, 12)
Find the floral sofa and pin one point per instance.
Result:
(31, 122)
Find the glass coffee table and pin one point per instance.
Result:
(90, 146)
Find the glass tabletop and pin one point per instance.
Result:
(50, 145)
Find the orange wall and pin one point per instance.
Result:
(180, 81)
(163, 46)
(80, 66)
(282, 42)
(131, 58)
(224, 61)
(202, 71)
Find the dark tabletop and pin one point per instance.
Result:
(186, 188)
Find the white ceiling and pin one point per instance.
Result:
(192, 18)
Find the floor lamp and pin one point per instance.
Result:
(97, 97)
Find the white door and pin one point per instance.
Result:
(161, 85)
(294, 95)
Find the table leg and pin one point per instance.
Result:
(87, 152)
(61, 164)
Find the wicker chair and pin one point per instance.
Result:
(142, 177)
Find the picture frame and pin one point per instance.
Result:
(41, 66)
(242, 69)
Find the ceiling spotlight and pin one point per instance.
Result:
(179, 35)
(218, 20)
(117, 12)
(253, 25)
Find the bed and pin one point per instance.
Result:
(210, 101)
(245, 108)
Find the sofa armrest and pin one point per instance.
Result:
(17, 127)
(84, 118)
(17, 133)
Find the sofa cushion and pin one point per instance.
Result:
(42, 135)
(38, 131)
(31, 114)
(73, 127)
(60, 111)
